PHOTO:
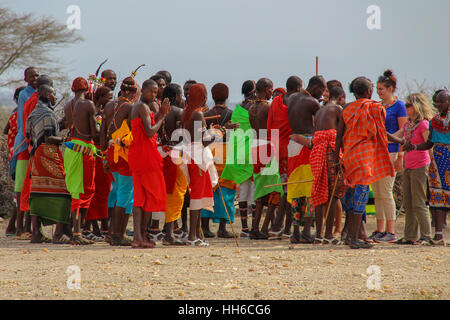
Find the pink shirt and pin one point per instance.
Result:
(416, 159)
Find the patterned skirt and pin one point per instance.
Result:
(439, 177)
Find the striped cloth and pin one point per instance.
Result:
(318, 159)
(366, 156)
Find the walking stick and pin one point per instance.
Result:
(229, 219)
(332, 196)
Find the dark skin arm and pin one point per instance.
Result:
(92, 122)
(339, 136)
(144, 114)
(54, 140)
(421, 147)
(107, 115)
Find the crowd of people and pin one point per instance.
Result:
(304, 154)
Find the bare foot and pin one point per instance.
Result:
(148, 244)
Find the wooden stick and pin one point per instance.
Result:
(212, 117)
(331, 198)
(285, 183)
(229, 219)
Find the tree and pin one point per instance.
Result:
(27, 40)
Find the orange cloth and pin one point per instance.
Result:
(366, 156)
(124, 135)
(175, 200)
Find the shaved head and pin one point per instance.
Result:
(263, 84)
(294, 83)
(361, 86)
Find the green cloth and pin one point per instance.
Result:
(238, 166)
(50, 210)
(21, 172)
(73, 165)
(268, 176)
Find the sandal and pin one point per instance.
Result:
(79, 240)
(440, 242)
(286, 236)
(318, 240)
(245, 233)
(204, 243)
(424, 242)
(333, 241)
(172, 242)
(193, 243)
(156, 236)
(301, 240)
(403, 241)
(23, 236)
(64, 239)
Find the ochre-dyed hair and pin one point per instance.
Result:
(197, 94)
(220, 92)
(129, 84)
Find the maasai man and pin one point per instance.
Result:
(227, 191)
(110, 79)
(116, 137)
(175, 179)
(336, 97)
(146, 163)
(239, 166)
(328, 185)
(79, 156)
(49, 198)
(98, 209)
(302, 107)
(279, 120)
(201, 171)
(167, 76)
(161, 82)
(19, 161)
(11, 131)
(27, 109)
(439, 171)
(265, 167)
(187, 85)
(363, 137)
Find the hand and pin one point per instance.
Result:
(165, 107)
(215, 126)
(230, 125)
(408, 146)
(398, 164)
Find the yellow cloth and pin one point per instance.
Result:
(297, 190)
(125, 137)
(175, 200)
(219, 151)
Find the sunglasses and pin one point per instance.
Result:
(408, 105)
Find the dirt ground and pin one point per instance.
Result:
(256, 270)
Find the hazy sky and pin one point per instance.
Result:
(235, 40)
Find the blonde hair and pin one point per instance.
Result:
(422, 106)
